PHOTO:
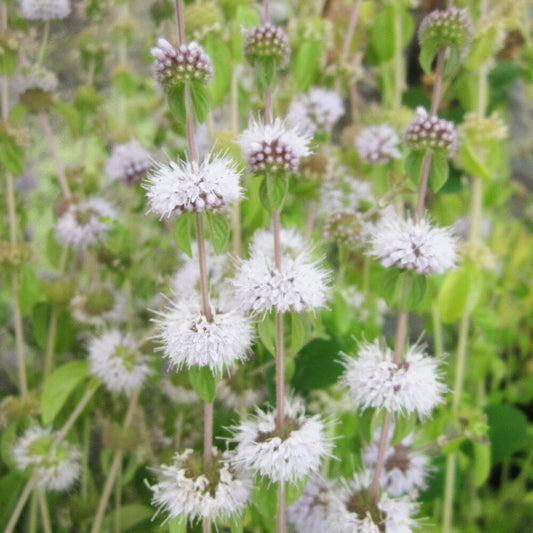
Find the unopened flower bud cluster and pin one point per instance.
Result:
(266, 42)
(451, 27)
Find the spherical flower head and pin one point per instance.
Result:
(351, 509)
(287, 455)
(114, 359)
(189, 339)
(44, 9)
(413, 385)
(317, 111)
(273, 147)
(197, 186)
(299, 285)
(346, 228)
(480, 130)
(187, 492)
(451, 27)
(431, 133)
(378, 144)
(128, 163)
(405, 469)
(410, 245)
(84, 223)
(266, 42)
(174, 67)
(99, 307)
(34, 78)
(57, 465)
(308, 514)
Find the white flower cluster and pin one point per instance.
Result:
(410, 386)
(409, 245)
(114, 359)
(57, 465)
(34, 77)
(184, 492)
(378, 144)
(189, 339)
(317, 111)
(186, 64)
(128, 163)
(45, 9)
(273, 147)
(81, 224)
(290, 456)
(208, 185)
(100, 307)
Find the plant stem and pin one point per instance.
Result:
(200, 238)
(208, 434)
(23, 498)
(118, 491)
(44, 43)
(45, 515)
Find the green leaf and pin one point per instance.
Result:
(177, 525)
(219, 231)
(265, 73)
(413, 165)
(70, 115)
(246, 17)
(391, 284)
(415, 290)
(267, 334)
(470, 162)
(53, 248)
(29, 289)
(427, 54)
(11, 155)
(265, 497)
(66, 332)
(273, 191)
(176, 102)
(382, 34)
(58, 387)
(297, 333)
(182, 233)
(294, 491)
(220, 56)
(453, 295)
(203, 382)
(200, 101)
(481, 463)
(366, 422)
(40, 323)
(481, 49)
(438, 171)
(130, 515)
(9, 436)
(11, 485)
(403, 426)
(306, 65)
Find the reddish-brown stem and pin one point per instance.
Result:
(208, 434)
(179, 18)
(351, 28)
(380, 461)
(203, 267)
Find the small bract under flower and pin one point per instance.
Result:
(189, 339)
(83, 223)
(411, 386)
(128, 163)
(378, 144)
(57, 465)
(273, 147)
(409, 245)
(45, 9)
(289, 455)
(114, 359)
(185, 491)
(316, 111)
(178, 187)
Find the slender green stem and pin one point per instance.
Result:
(45, 514)
(44, 43)
(23, 498)
(437, 330)
(118, 495)
(32, 525)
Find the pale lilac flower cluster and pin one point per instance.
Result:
(128, 163)
(266, 42)
(450, 27)
(316, 111)
(412, 385)
(187, 63)
(34, 77)
(378, 144)
(44, 9)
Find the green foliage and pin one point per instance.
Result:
(203, 382)
(273, 190)
(218, 230)
(182, 232)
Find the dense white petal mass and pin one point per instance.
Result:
(45, 9)
(409, 245)
(83, 223)
(184, 492)
(300, 284)
(114, 359)
(291, 456)
(128, 163)
(411, 386)
(349, 510)
(316, 111)
(308, 514)
(378, 144)
(273, 147)
(57, 465)
(208, 185)
(189, 339)
(405, 470)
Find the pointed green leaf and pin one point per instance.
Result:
(403, 425)
(29, 289)
(203, 382)
(383, 25)
(265, 73)
(182, 233)
(438, 171)
(413, 165)
(297, 333)
(470, 162)
(246, 17)
(220, 56)
(267, 334)
(306, 65)
(415, 290)
(176, 102)
(427, 54)
(11, 155)
(200, 101)
(453, 295)
(265, 497)
(481, 463)
(219, 231)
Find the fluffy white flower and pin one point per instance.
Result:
(102, 306)
(308, 514)
(187, 493)
(128, 162)
(316, 111)
(350, 511)
(413, 246)
(378, 144)
(189, 339)
(81, 224)
(114, 359)
(410, 386)
(273, 147)
(405, 469)
(299, 285)
(34, 77)
(45, 9)
(291, 456)
(208, 185)
(57, 466)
